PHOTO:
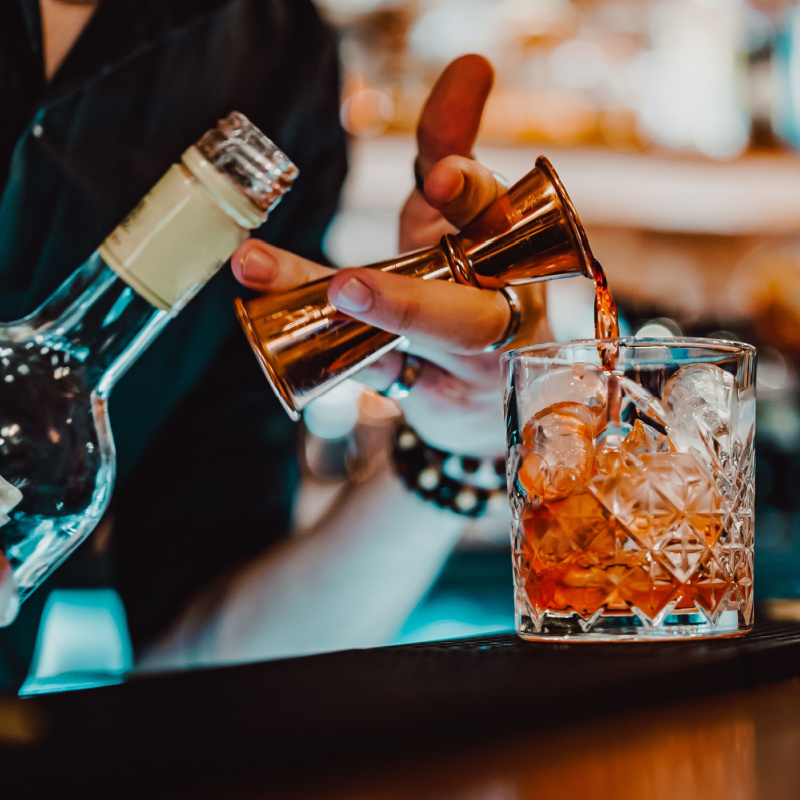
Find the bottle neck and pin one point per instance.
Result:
(98, 319)
(144, 272)
(161, 254)
(179, 235)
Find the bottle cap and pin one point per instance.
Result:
(201, 210)
(240, 151)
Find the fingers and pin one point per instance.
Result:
(265, 268)
(433, 312)
(451, 116)
(438, 314)
(421, 225)
(379, 374)
(453, 187)
(460, 188)
(457, 189)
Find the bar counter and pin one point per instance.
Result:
(483, 717)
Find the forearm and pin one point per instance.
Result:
(351, 582)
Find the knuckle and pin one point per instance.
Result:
(480, 189)
(406, 316)
(306, 271)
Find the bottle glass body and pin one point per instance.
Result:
(59, 364)
(56, 370)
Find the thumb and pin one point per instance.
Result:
(451, 116)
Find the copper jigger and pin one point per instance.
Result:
(306, 346)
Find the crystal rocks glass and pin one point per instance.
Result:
(631, 474)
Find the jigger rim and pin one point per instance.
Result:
(576, 226)
(277, 380)
(546, 350)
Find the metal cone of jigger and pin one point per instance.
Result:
(306, 346)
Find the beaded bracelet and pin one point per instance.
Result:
(464, 484)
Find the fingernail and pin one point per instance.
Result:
(455, 189)
(354, 295)
(258, 265)
(445, 187)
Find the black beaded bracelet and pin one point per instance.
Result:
(464, 484)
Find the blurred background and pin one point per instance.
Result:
(675, 126)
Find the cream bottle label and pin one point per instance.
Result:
(173, 242)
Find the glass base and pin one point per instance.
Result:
(630, 628)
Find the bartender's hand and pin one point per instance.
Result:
(456, 401)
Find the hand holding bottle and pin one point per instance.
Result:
(456, 403)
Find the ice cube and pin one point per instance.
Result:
(683, 481)
(534, 475)
(560, 440)
(625, 492)
(663, 498)
(646, 404)
(644, 439)
(576, 383)
(606, 456)
(697, 400)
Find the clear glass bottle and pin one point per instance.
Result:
(59, 364)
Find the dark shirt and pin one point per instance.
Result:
(206, 457)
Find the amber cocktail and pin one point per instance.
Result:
(631, 481)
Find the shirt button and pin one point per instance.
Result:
(38, 130)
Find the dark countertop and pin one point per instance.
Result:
(206, 731)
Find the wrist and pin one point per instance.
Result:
(466, 485)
